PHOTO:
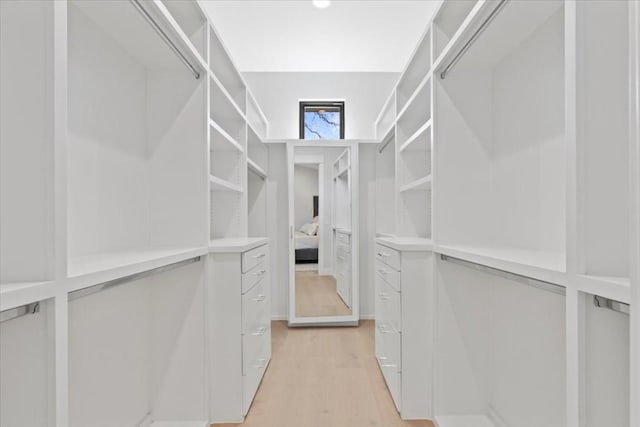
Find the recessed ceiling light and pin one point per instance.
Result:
(321, 4)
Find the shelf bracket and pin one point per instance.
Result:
(602, 302)
(14, 313)
(539, 284)
(80, 293)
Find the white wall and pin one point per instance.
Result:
(306, 186)
(279, 95)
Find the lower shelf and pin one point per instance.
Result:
(464, 421)
(14, 295)
(179, 424)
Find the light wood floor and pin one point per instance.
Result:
(324, 377)
(316, 296)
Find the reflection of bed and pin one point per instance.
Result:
(307, 246)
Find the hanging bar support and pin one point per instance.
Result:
(14, 313)
(80, 293)
(165, 37)
(473, 38)
(614, 305)
(545, 286)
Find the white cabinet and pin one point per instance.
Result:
(403, 304)
(240, 324)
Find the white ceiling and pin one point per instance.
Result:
(292, 35)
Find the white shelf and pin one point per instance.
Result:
(414, 142)
(219, 184)
(14, 295)
(541, 265)
(423, 184)
(615, 288)
(342, 172)
(89, 270)
(239, 244)
(253, 166)
(226, 94)
(405, 244)
(464, 421)
(232, 143)
(413, 97)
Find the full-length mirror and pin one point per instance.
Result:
(323, 261)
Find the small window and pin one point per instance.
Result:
(321, 120)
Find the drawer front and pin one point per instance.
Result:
(390, 364)
(389, 256)
(253, 257)
(389, 275)
(343, 257)
(391, 307)
(253, 276)
(390, 346)
(254, 344)
(253, 376)
(343, 237)
(255, 304)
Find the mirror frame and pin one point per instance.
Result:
(354, 318)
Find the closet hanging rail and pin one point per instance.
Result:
(473, 38)
(165, 37)
(614, 305)
(80, 293)
(545, 286)
(14, 313)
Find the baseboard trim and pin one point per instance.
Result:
(277, 317)
(367, 317)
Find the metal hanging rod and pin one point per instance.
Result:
(545, 286)
(614, 305)
(165, 37)
(14, 313)
(80, 293)
(473, 38)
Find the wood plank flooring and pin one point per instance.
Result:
(317, 296)
(324, 377)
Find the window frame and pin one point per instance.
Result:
(328, 104)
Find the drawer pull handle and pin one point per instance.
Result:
(259, 273)
(383, 296)
(262, 255)
(260, 298)
(260, 331)
(341, 258)
(388, 365)
(383, 254)
(383, 272)
(383, 358)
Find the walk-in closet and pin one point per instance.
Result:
(304, 213)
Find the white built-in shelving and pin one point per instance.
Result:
(104, 207)
(501, 136)
(447, 25)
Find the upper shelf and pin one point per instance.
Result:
(420, 140)
(423, 184)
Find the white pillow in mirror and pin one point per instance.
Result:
(307, 229)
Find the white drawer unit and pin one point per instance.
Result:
(403, 319)
(240, 327)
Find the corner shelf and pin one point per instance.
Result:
(219, 184)
(230, 142)
(423, 184)
(414, 142)
(615, 288)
